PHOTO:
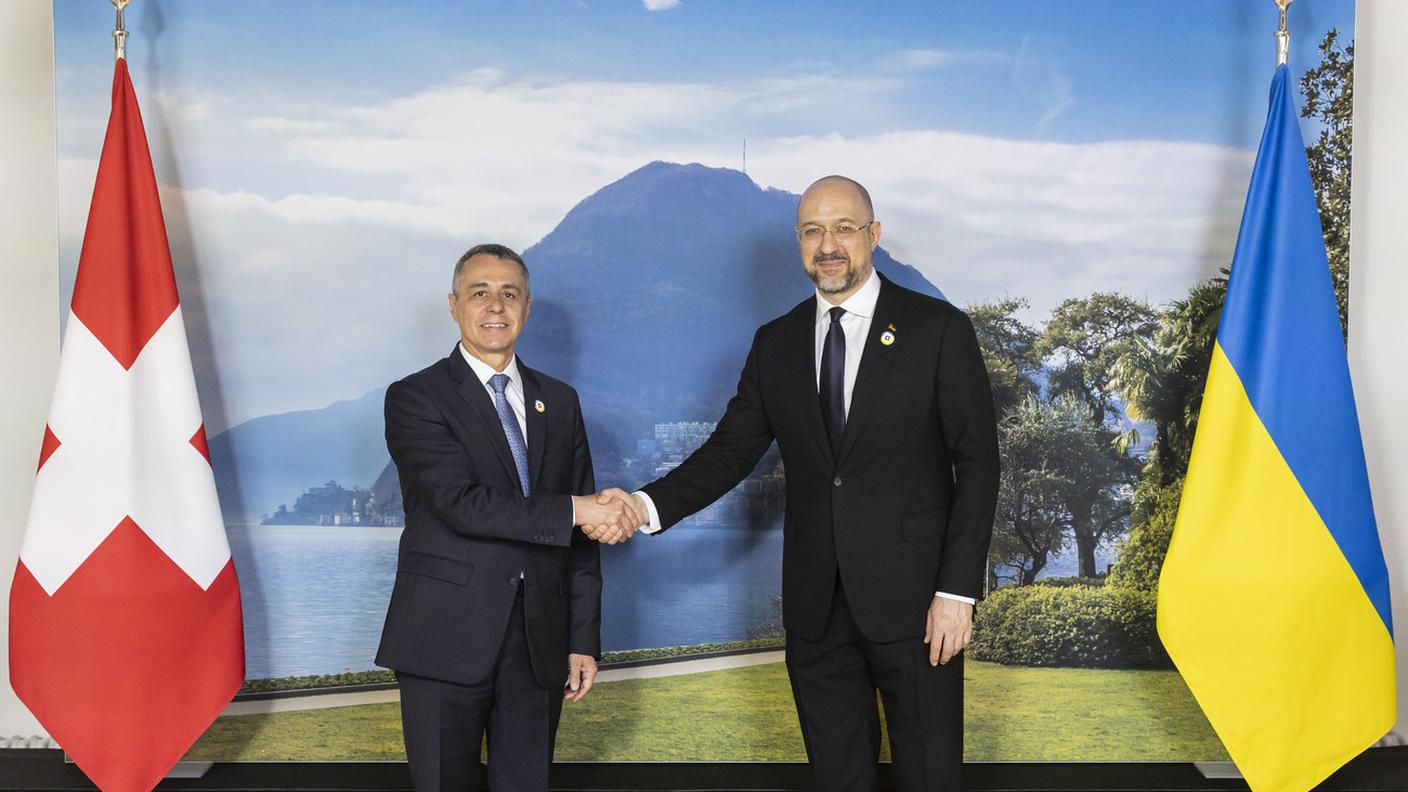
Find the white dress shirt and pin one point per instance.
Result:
(855, 323)
(513, 394)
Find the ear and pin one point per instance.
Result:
(874, 235)
(527, 308)
(450, 301)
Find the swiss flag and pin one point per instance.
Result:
(125, 632)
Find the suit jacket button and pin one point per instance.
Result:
(513, 581)
(836, 482)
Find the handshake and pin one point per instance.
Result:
(611, 516)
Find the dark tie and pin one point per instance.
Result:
(511, 431)
(833, 381)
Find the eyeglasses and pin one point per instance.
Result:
(841, 231)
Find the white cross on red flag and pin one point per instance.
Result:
(125, 631)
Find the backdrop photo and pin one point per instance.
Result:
(1072, 175)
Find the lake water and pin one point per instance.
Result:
(315, 597)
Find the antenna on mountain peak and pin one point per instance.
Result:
(745, 156)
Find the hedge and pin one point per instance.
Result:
(1072, 626)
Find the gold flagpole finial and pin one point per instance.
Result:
(119, 33)
(1283, 35)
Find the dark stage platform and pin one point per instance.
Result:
(1379, 770)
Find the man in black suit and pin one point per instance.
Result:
(496, 612)
(880, 404)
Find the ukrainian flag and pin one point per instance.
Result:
(1274, 598)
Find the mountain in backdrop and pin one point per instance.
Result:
(645, 298)
(647, 294)
(272, 459)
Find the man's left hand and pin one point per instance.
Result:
(581, 672)
(948, 629)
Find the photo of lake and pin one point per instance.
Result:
(315, 596)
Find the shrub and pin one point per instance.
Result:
(1072, 626)
(1140, 557)
(1065, 582)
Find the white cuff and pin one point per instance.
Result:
(947, 595)
(654, 524)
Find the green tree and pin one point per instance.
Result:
(1085, 338)
(1009, 350)
(1329, 98)
(1140, 557)
(1099, 503)
(1032, 520)
(1161, 378)
(1060, 480)
(1083, 342)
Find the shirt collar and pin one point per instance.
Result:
(862, 303)
(484, 371)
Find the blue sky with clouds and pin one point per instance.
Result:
(1033, 69)
(1039, 148)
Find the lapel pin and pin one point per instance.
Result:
(539, 406)
(887, 338)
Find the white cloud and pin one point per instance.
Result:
(323, 289)
(922, 58)
(916, 59)
(287, 125)
(984, 216)
(289, 305)
(185, 106)
(660, 5)
(479, 156)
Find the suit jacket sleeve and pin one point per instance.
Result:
(725, 459)
(433, 462)
(969, 425)
(584, 564)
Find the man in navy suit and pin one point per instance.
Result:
(879, 401)
(496, 611)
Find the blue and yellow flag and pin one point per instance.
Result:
(1274, 598)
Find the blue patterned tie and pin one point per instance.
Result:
(511, 431)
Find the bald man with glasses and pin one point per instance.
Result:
(879, 401)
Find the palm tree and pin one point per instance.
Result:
(1161, 378)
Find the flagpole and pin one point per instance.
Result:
(1283, 34)
(119, 33)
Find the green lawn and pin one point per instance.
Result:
(746, 714)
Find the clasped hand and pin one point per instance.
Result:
(611, 516)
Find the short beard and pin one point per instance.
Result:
(836, 284)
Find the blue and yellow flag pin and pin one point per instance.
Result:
(539, 406)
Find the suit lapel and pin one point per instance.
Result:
(482, 405)
(537, 421)
(803, 363)
(875, 362)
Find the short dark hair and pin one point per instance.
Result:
(497, 251)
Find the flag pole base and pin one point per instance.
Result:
(189, 770)
(1218, 769)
